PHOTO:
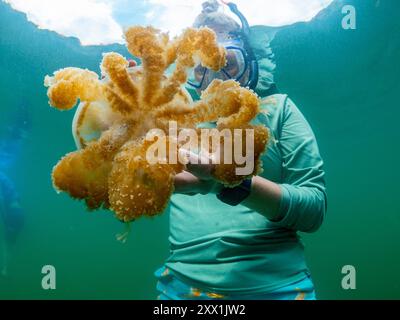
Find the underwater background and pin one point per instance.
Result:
(346, 82)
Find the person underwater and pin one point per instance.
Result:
(11, 212)
(243, 242)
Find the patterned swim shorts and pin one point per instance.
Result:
(171, 288)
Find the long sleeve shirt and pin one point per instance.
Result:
(228, 249)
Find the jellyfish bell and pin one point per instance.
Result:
(91, 119)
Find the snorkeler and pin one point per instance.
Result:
(243, 242)
(11, 213)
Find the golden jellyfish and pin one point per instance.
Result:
(110, 169)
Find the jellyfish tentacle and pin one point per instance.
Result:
(236, 108)
(117, 102)
(225, 172)
(210, 53)
(185, 115)
(84, 173)
(246, 106)
(115, 66)
(171, 52)
(232, 104)
(148, 44)
(70, 84)
(140, 192)
(194, 44)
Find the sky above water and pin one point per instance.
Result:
(103, 21)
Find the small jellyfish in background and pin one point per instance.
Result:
(12, 137)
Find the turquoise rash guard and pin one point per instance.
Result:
(234, 250)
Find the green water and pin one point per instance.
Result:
(345, 81)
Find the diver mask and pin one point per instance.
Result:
(236, 68)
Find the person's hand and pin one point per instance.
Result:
(188, 184)
(198, 178)
(198, 165)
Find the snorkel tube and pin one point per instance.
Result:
(245, 32)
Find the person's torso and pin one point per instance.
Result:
(229, 248)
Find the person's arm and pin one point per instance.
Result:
(303, 196)
(265, 198)
(300, 202)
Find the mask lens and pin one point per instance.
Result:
(236, 63)
(197, 76)
(236, 67)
